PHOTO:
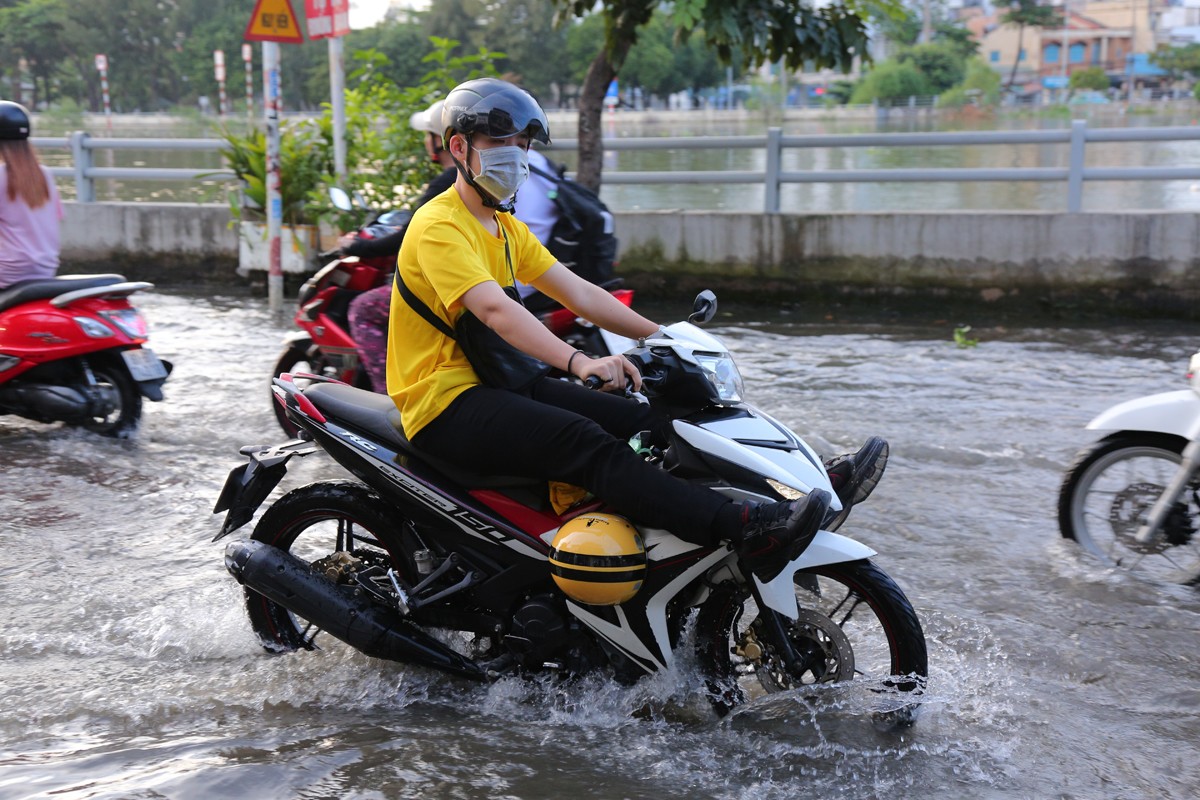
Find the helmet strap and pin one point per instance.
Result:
(487, 199)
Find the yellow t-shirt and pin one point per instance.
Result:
(446, 252)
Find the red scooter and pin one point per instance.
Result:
(72, 350)
(324, 345)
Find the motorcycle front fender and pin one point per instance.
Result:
(827, 547)
(297, 338)
(1176, 413)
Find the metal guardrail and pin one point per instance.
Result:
(772, 177)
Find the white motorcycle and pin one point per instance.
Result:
(416, 547)
(1133, 498)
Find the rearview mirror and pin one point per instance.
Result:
(339, 198)
(704, 309)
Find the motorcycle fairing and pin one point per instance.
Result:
(615, 342)
(754, 444)
(826, 547)
(639, 628)
(1176, 413)
(388, 471)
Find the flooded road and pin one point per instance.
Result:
(129, 670)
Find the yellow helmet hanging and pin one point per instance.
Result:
(598, 559)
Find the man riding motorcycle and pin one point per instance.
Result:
(460, 250)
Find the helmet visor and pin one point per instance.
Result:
(500, 124)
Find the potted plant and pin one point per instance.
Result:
(305, 158)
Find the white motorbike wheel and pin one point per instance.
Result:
(1107, 494)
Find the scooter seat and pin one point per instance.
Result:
(41, 289)
(377, 415)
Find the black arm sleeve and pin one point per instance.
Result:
(383, 246)
(390, 244)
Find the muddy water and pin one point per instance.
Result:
(128, 669)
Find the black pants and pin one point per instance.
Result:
(561, 431)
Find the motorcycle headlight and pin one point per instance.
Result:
(785, 491)
(129, 320)
(723, 374)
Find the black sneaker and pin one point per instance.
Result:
(776, 533)
(855, 475)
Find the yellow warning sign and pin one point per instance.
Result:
(274, 21)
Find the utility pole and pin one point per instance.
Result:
(1132, 52)
(1066, 45)
(926, 23)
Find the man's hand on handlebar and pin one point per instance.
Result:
(611, 373)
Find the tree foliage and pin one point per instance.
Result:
(1091, 78)
(160, 53)
(743, 33)
(892, 82)
(1028, 14)
(1178, 61)
(980, 87)
(941, 63)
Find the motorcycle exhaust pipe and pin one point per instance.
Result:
(379, 632)
(50, 403)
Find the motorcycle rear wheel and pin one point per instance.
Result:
(1107, 493)
(855, 624)
(313, 522)
(123, 421)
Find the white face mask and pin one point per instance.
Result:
(502, 170)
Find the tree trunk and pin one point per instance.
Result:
(1012, 76)
(591, 106)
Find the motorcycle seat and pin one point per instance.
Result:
(42, 289)
(377, 415)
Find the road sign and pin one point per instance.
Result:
(327, 18)
(101, 62)
(273, 21)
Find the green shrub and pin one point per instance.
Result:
(889, 83)
(980, 86)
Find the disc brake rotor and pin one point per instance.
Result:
(1129, 510)
(825, 654)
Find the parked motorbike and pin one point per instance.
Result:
(72, 349)
(324, 345)
(415, 547)
(1132, 499)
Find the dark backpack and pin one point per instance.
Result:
(582, 239)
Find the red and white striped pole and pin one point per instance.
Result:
(248, 57)
(219, 71)
(102, 66)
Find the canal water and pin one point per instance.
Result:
(129, 670)
(814, 198)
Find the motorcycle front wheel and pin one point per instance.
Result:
(313, 523)
(855, 624)
(123, 395)
(1107, 494)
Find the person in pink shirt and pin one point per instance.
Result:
(30, 208)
